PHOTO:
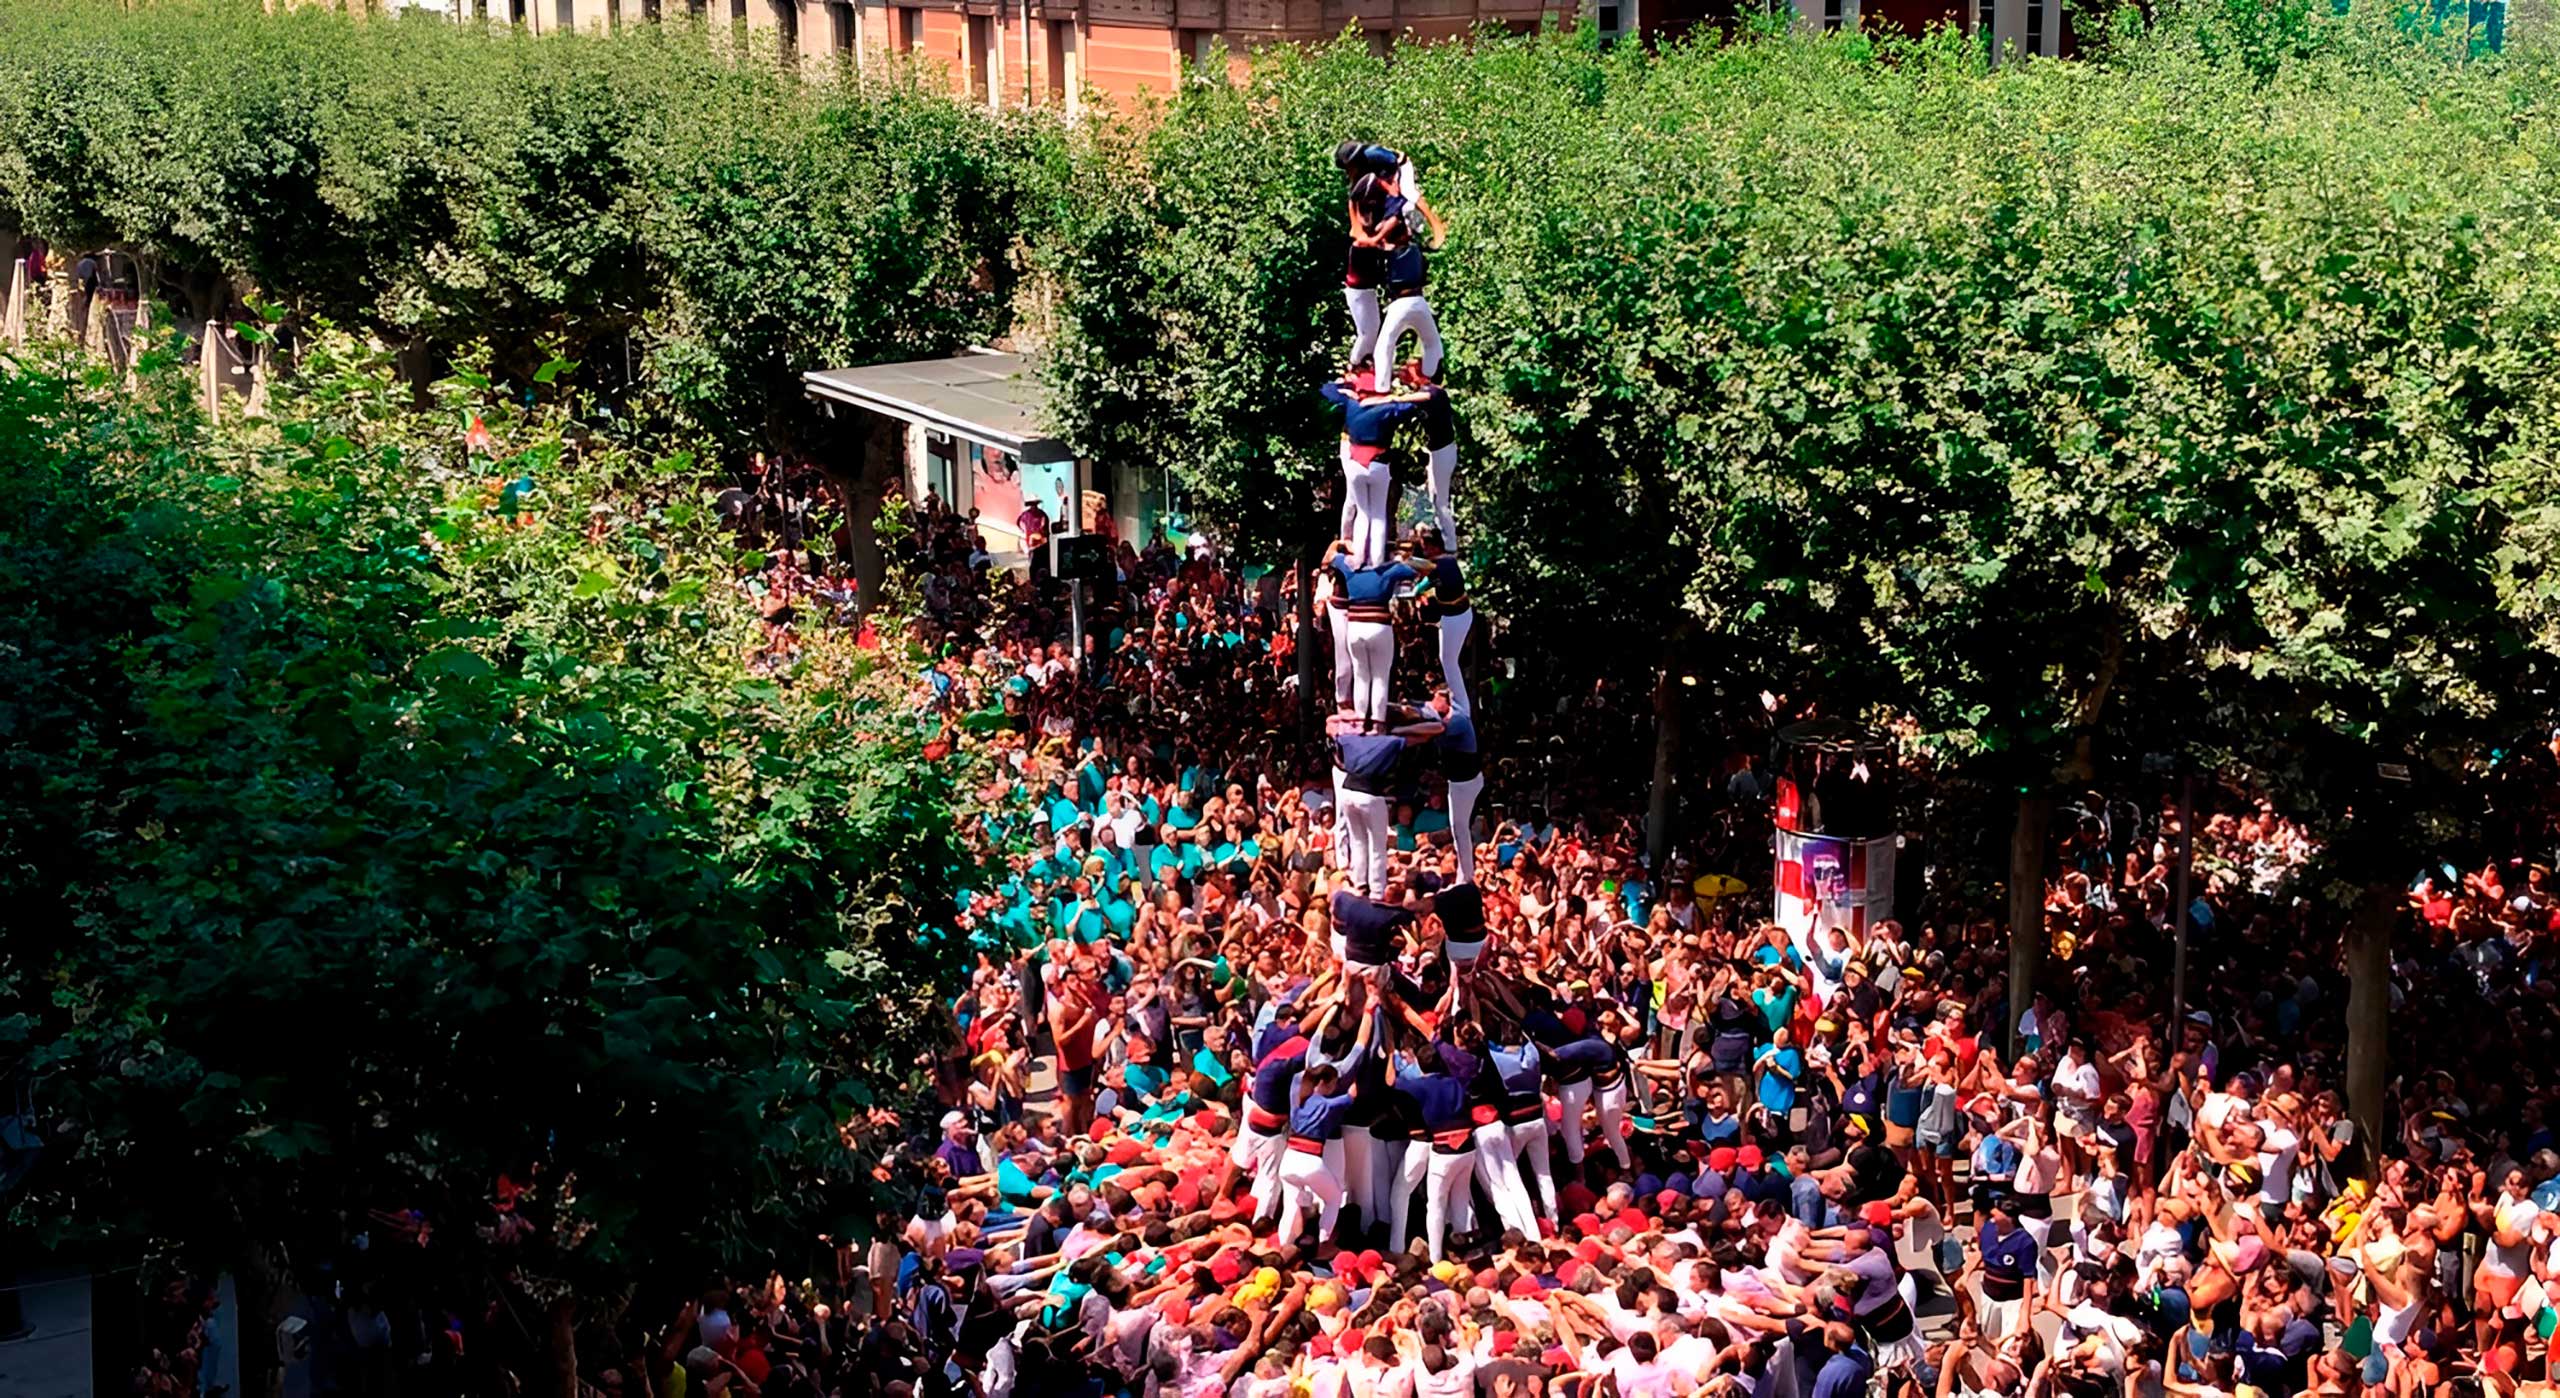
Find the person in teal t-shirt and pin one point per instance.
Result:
(1776, 999)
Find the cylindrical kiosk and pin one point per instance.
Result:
(1836, 835)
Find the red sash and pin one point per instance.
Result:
(1306, 1147)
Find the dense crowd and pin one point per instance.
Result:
(1644, 1141)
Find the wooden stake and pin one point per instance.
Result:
(211, 365)
(14, 323)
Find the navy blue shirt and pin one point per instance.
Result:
(1373, 424)
(1439, 425)
(1368, 760)
(1385, 163)
(1368, 927)
(1442, 1097)
(1580, 1059)
(1844, 1375)
(1461, 912)
(1319, 1118)
(2012, 1258)
(1271, 1079)
(1375, 586)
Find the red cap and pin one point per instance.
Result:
(1877, 1213)
(1186, 1195)
(1665, 1199)
(1124, 1152)
(1226, 1268)
(1347, 1266)
(1487, 1278)
(1504, 1341)
(1574, 1020)
(1586, 1224)
(1720, 1159)
(1321, 1346)
(1526, 1289)
(1589, 1251)
(1750, 1157)
(1350, 1341)
(1371, 1262)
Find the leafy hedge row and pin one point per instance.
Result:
(2224, 359)
(449, 184)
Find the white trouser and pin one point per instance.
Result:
(1412, 1167)
(1386, 1164)
(1308, 1178)
(1365, 840)
(1365, 491)
(1462, 814)
(1358, 1188)
(1498, 1169)
(1529, 1143)
(1363, 301)
(1341, 629)
(1259, 1153)
(1576, 1096)
(1613, 1121)
(1445, 1193)
(1341, 842)
(1373, 663)
(1411, 313)
(1453, 644)
(1444, 471)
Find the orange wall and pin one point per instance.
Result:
(1141, 46)
(1121, 60)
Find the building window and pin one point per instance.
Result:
(738, 12)
(786, 24)
(1196, 46)
(981, 47)
(1832, 15)
(1062, 63)
(2035, 27)
(1382, 44)
(1609, 19)
(1985, 24)
(840, 26)
(909, 34)
(565, 14)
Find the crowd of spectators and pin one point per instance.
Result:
(1835, 1178)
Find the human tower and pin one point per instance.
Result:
(1379, 396)
(1380, 1085)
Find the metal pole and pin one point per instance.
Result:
(1074, 508)
(2186, 872)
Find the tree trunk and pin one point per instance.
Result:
(1666, 768)
(2368, 960)
(2026, 905)
(564, 1348)
(882, 445)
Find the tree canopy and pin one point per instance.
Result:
(385, 816)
